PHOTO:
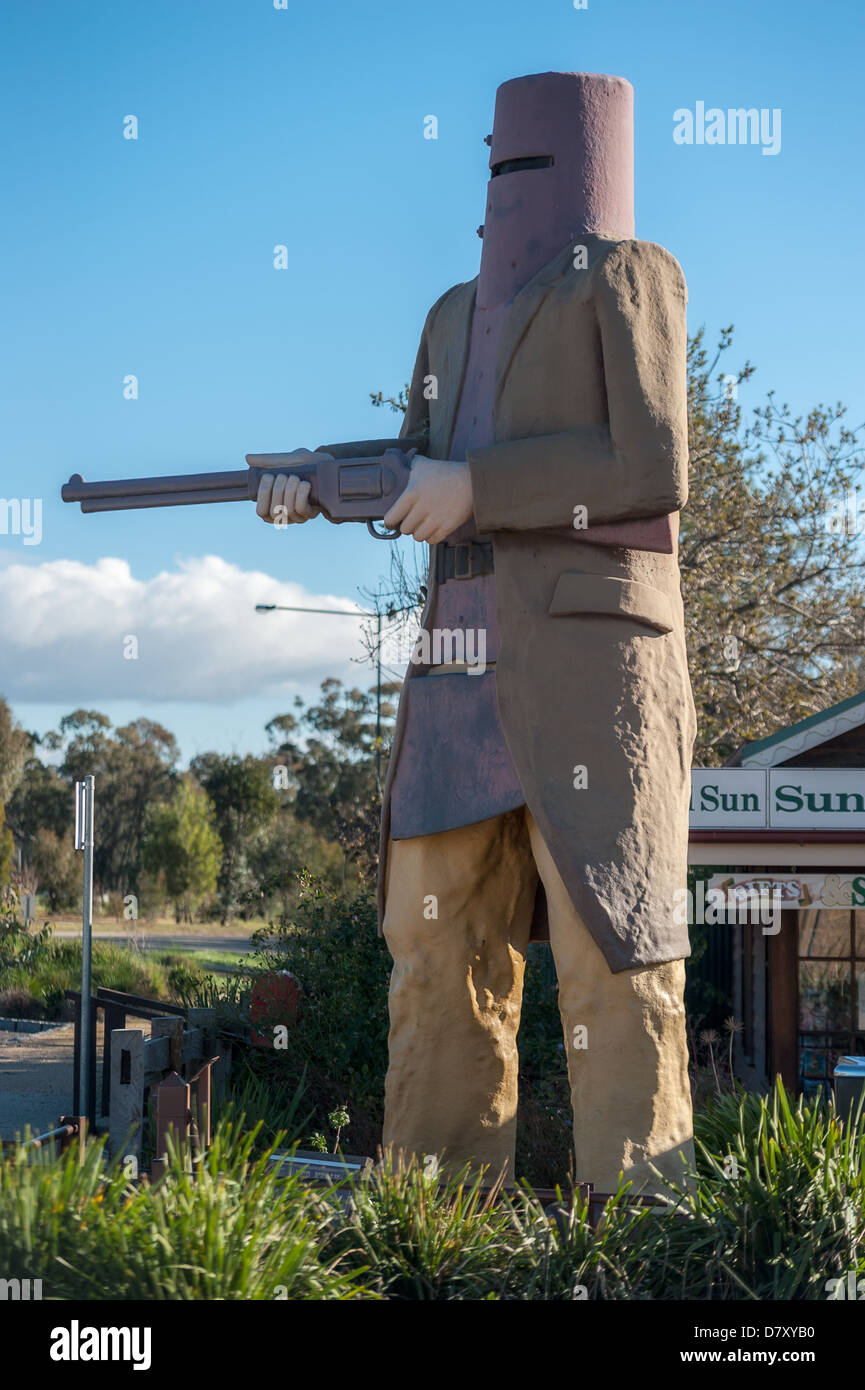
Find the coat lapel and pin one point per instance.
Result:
(457, 328)
(457, 335)
(523, 310)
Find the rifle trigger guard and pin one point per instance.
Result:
(382, 535)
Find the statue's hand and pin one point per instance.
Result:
(283, 500)
(437, 501)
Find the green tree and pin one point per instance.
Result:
(329, 753)
(773, 587)
(42, 800)
(181, 840)
(15, 747)
(134, 768)
(56, 867)
(244, 802)
(7, 850)
(279, 855)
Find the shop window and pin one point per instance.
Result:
(831, 979)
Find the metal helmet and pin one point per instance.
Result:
(561, 164)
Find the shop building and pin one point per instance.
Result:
(784, 822)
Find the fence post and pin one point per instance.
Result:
(172, 1113)
(93, 1112)
(203, 1100)
(79, 1138)
(205, 1019)
(126, 1104)
(76, 1056)
(201, 1083)
(172, 1029)
(113, 1017)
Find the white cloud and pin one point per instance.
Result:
(63, 625)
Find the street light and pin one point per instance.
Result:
(346, 613)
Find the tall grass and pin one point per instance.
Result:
(780, 1208)
(282, 1116)
(453, 1238)
(422, 1237)
(228, 1229)
(775, 1211)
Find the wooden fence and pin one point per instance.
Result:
(139, 1063)
(183, 1043)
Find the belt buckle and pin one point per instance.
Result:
(461, 572)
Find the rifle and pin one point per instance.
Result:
(361, 489)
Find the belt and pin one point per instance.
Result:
(465, 560)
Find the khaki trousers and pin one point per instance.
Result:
(457, 920)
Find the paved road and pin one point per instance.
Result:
(158, 942)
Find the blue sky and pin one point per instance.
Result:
(304, 126)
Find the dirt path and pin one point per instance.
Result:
(35, 1079)
(36, 1076)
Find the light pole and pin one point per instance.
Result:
(347, 613)
(84, 840)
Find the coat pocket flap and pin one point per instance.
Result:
(616, 598)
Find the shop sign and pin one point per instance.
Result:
(730, 798)
(844, 890)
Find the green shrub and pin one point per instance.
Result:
(423, 1237)
(778, 1224)
(779, 1207)
(338, 1046)
(183, 976)
(559, 1257)
(44, 972)
(20, 949)
(428, 1237)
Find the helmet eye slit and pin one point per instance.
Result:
(513, 166)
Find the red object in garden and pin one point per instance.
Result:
(275, 1000)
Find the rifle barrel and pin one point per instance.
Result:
(163, 499)
(77, 490)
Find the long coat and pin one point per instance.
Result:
(592, 679)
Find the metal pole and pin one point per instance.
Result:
(378, 701)
(84, 840)
(343, 613)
